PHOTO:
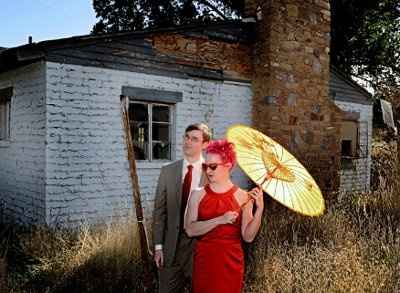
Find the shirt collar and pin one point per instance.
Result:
(196, 165)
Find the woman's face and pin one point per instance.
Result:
(215, 169)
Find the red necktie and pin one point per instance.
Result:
(187, 182)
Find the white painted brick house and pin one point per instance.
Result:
(356, 132)
(63, 158)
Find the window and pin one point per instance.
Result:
(151, 121)
(5, 113)
(350, 139)
(151, 127)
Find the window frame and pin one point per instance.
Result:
(355, 152)
(6, 95)
(170, 123)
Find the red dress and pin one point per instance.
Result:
(218, 263)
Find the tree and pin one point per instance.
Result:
(365, 36)
(124, 15)
(366, 42)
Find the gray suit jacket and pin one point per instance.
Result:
(167, 206)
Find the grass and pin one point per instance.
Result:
(353, 247)
(90, 260)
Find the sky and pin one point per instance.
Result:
(43, 20)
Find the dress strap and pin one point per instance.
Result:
(234, 188)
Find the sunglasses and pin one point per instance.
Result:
(212, 166)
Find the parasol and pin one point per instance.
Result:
(277, 171)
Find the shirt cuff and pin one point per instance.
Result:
(158, 247)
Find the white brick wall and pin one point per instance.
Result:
(87, 170)
(66, 161)
(358, 178)
(85, 158)
(22, 158)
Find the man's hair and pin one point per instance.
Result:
(201, 127)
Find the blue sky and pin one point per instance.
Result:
(43, 20)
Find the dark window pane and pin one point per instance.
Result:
(161, 132)
(160, 113)
(138, 112)
(140, 137)
(346, 148)
(161, 151)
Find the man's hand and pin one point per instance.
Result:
(159, 258)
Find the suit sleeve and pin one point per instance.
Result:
(160, 210)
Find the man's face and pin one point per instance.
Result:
(193, 143)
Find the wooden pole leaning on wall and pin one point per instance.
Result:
(3, 275)
(144, 243)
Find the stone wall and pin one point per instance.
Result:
(290, 83)
(233, 58)
(22, 158)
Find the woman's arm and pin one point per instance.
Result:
(193, 227)
(251, 223)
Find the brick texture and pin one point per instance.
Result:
(357, 176)
(87, 169)
(22, 158)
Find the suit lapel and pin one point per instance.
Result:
(179, 179)
(178, 185)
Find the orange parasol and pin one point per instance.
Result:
(277, 171)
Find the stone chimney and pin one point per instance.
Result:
(290, 83)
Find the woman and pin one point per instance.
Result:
(220, 215)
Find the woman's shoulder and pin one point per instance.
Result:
(242, 196)
(241, 192)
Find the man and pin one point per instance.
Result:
(173, 249)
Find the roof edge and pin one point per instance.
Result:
(179, 29)
(351, 82)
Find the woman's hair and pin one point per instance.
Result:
(223, 148)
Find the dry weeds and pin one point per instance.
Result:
(353, 247)
(90, 260)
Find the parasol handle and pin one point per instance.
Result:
(249, 198)
(267, 177)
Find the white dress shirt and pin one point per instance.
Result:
(196, 172)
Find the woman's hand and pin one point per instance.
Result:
(251, 221)
(257, 195)
(229, 217)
